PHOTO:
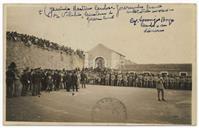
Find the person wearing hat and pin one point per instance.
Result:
(74, 81)
(25, 79)
(83, 79)
(10, 77)
(107, 79)
(112, 79)
(160, 88)
(36, 80)
(49, 82)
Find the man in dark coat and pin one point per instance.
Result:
(25, 79)
(68, 81)
(83, 79)
(36, 81)
(10, 77)
(74, 81)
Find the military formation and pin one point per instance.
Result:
(146, 80)
(36, 80)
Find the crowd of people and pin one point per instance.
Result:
(37, 80)
(132, 79)
(29, 40)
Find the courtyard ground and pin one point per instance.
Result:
(103, 104)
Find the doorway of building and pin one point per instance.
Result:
(99, 62)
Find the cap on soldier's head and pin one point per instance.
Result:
(12, 65)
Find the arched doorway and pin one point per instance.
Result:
(99, 62)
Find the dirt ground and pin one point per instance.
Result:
(103, 104)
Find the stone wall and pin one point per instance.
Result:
(34, 57)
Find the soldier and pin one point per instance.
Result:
(189, 82)
(186, 83)
(145, 80)
(171, 82)
(182, 82)
(98, 79)
(150, 81)
(112, 79)
(130, 80)
(103, 79)
(177, 82)
(160, 87)
(174, 82)
(166, 81)
(107, 79)
(134, 76)
(119, 79)
(141, 80)
(154, 80)
(116, 79)
(125, 80)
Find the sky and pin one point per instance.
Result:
(175, 45)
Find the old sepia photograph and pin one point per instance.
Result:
(99, 64)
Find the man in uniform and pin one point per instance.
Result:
(119, 79)
(107, 79)
(112, 79)
(177, 81)
(171, 81)
(160, 88)
(134, 76)
(150, 81)
(189, 82)
(125, 79)
(116, 79)
(137, 81)
(141, 80)
(130, 80)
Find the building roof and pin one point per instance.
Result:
(101, 45)
(158, 67)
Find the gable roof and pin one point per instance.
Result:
(101, 45)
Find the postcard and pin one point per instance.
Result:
(100, 64)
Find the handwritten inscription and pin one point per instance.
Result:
(102, 12)
(156, 24)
